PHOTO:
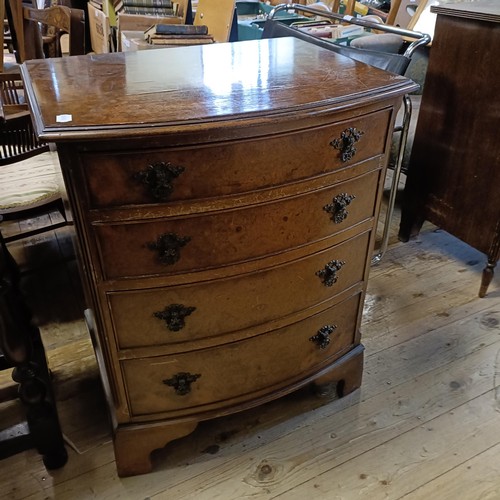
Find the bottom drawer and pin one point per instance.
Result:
(253, 366)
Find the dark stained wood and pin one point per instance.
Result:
(23, 354)
(274, 231)
(454, 169)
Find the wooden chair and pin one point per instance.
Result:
(22, 352)
(27, 23)
(26, 190)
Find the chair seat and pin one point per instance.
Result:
(28, 185)
(31, 184)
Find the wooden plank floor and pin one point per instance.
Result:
(424, 425)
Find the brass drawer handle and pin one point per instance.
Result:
(181, 382)
(338, 207)
(168, 246)
(157, 178)
(322, 337)
(345, 144)
(329, 274)
(174, 316)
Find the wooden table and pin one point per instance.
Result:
(225, 198)
(454, 171)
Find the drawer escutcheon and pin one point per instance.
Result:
(168, 246)
(174, 316)
(338, 207)
(328, 274)
(345, 144)
(322, 337)
(157, 178)
(181, 382)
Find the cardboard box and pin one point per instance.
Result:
(100, 31)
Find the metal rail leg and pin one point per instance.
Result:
(377, 257)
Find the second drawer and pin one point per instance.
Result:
(207, 240)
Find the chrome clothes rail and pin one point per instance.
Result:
(420, 39)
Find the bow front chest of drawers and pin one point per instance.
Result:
(224, 200)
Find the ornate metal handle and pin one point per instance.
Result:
(168, 246)
(345, 144)
(328, 274)
(322, 337)
(181, 382)
(174, 316)
(157, 178)
(338, 207)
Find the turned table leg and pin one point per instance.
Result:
(486, 277)
(493, 256)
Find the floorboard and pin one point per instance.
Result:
(425, 423)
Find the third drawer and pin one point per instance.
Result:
(208, 240)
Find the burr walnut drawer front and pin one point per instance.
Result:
(156, 176)
(189, 312)
(179, 244)
(263, 363)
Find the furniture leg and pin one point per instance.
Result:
(22, 350)
(133, 445)
(493, 256)
(344, 378)
(486, 277)
(411, 222)
(41, 413)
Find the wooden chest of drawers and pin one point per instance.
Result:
(224, 200)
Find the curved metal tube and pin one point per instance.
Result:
(421, 39)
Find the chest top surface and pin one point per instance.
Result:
(127, 93)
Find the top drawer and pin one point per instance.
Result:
(172, 174)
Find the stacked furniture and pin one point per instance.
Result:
(225, 199)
